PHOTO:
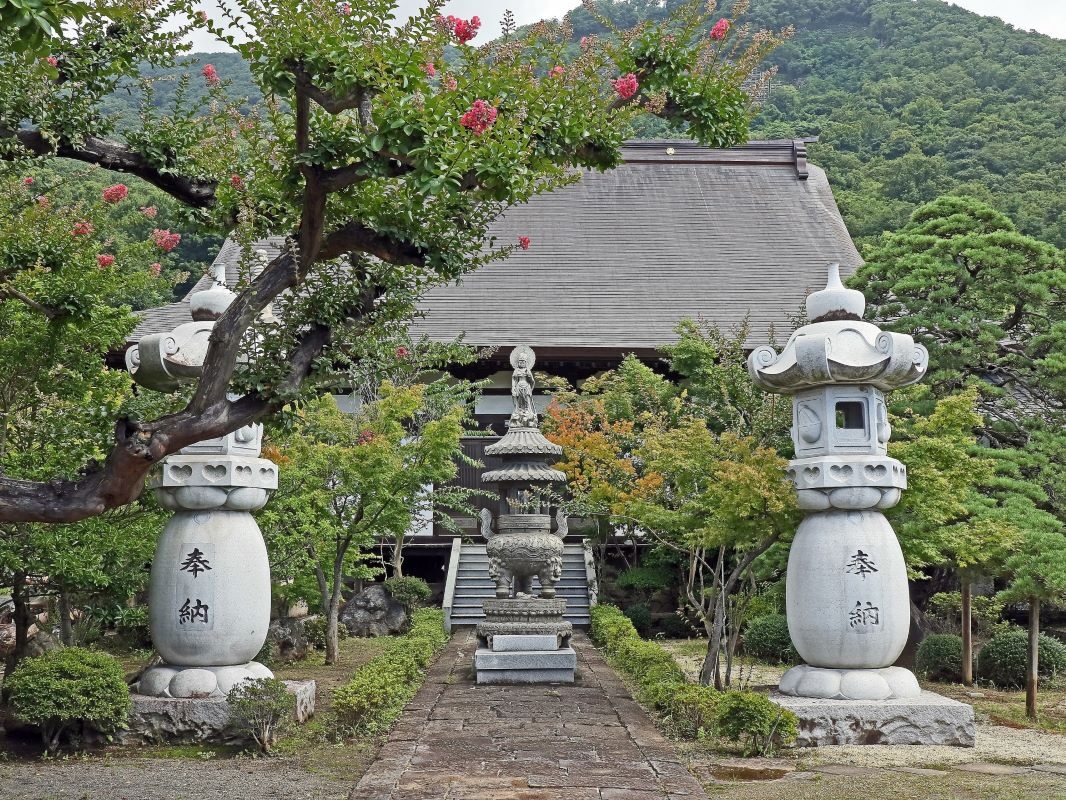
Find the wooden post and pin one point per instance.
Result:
(967, 629)
(1032, 668)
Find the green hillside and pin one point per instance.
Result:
(910, 99)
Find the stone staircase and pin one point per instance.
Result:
(468, 585)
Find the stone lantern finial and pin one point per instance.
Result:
(835, 301)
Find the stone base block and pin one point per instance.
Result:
(155, 720)
(529, 666)
(510, 643)
(927, 719)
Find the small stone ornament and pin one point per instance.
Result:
(209, 597)
(846, 589)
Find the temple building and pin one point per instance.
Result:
(617, 259)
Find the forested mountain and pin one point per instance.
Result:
(909, 98)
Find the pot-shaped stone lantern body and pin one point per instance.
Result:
(521, 544)
(209, 596)
(846, 590)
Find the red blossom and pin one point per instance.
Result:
(523, 242)
(720, 29)
(52, 61)
(236, 181)
(402, 352)
(105, 260)
(429, 69)
(149, 211)
(155, 268)
(557, 71)
(626, 86)
(479, 118)
(27, 181)
(211, 75)
(165, 240)
(115, 194)
(82, 228)
(365, 437)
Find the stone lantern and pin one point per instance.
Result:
(846, 591)
(209, 596)
(524, 638)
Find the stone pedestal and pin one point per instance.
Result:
(525, 659)
(926, 719)
(155, 720)
(516, 617)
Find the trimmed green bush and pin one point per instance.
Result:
(755, 721)
(767, 639)
(69, 689)
(939, 658)
(412, 592)
(372, 700)
(1002, 661)
(261, 708)
(640, 615)
(608, 626)
(691, 710)
(637, 657)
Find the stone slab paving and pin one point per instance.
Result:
(583, 741)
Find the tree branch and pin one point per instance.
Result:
(356, 237)
(112, 155)
(11, 293)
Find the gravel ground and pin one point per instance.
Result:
(167, 779)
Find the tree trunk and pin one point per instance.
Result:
(967, 629)
(23, 619)
(332, 628)
(397, 558)
(66, 629)
(1033, 667)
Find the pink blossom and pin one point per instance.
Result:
(27, 181)
(115, 194)
(211, 75)
(479, 118)
(202, 16)
(463, 30)
(149, 211)
(626, 86)
(365, 437)
(720, 29)
(402, 352)
(105, 260)
(52, 61)
(155, 268)
(429, 69)
(523, 242)
(165, 240)
(450, 84)
(82, 228)
(236, 181)
(344, 9)
(585, 42)
(43, 201)
(557, 71)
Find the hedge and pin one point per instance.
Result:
(372, 700)
(690, 710)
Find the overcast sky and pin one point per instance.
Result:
(1045, 16)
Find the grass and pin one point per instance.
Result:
(999, 707)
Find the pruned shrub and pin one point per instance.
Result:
(411, 592)
(767, 639)
(753, 720)
(939, 658)
(637, 657)
(608, 626)
(261, 708)
(379, 690)
(1002, 661)
(640, 615)
(691, 710)
(69, 690)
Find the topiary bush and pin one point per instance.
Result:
(261, 708)
(939, 658)
(379, 690)
(1002, 661)
(411, 592)
(752, 719)
(691, 710)
(608, 626)
(69, 689)
(767, 639)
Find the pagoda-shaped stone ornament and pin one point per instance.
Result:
(846, 591)
(524, 638)
(209, 597)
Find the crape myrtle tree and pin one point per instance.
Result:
(370, 150)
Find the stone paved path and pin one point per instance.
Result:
(588, 741)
